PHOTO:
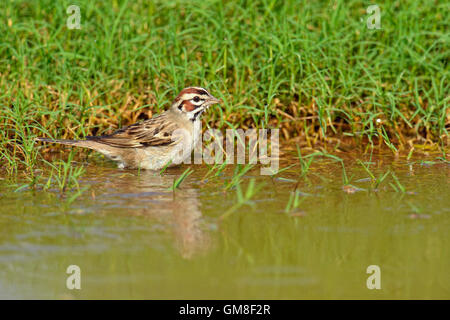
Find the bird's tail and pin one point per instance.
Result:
(78, 143)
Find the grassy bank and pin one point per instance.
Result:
(313, 69)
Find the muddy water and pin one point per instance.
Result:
(132, 237)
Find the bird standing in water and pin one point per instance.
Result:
(156, 142)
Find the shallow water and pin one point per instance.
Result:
(132, 237)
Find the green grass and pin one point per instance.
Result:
(311, 68)
(243, 199)
(176, 182)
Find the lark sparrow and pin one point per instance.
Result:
(152, 144)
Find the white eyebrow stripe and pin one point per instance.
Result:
(190, 96)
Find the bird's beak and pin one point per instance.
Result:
(213, 100)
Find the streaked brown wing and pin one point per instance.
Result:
(156, 131)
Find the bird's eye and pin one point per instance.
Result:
(196, 99)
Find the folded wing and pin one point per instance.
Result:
(155, 132)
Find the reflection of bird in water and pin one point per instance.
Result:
(147, 194)
(189, 226)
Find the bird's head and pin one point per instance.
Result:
(192, 101)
